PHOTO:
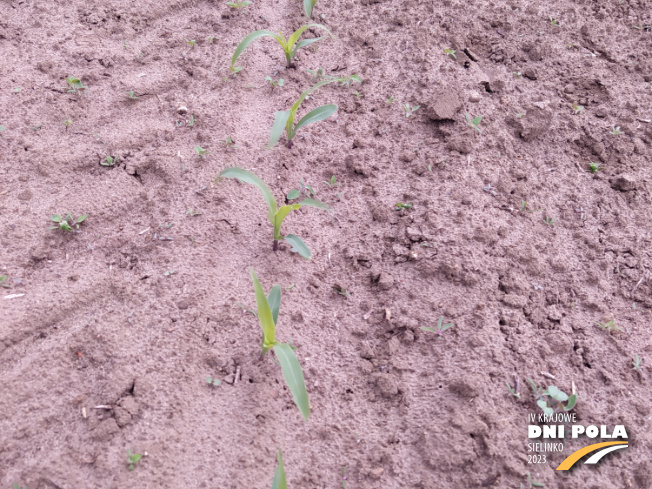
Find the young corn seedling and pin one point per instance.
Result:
(290, 46)
(473, 123)
(276, 215)
(450, 52)
(552, 400)
(268, 307)
(513, 391)
(133, 459)
(440, 327)
(279, 481)
(75, 84)
(615, 131)
(67, 222)
(410, 110)
(636, 363)
(284, 120)
(549, 221)
(201, 152)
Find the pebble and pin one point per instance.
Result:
(474, 97)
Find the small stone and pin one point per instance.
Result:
(387, 385)
(413, 233)
(624, 183)
(530, 73)
(229, 379)
(376, 472)
(515, 300)
(385, 281)
(122, 417)
(182, 110)
(474, 97)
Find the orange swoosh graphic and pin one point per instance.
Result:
(575, 456)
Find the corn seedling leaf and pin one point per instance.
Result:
(245, 44)
(314, 203)
(293, 376)
(279, 474)
(248, 177)
(274, 301)
(280, 121)
(304, 43)
(297, 34)
(281, 214)
(264, 314)
(308, 5)
(298, 246)
(316, 115)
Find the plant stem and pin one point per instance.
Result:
(275, 247)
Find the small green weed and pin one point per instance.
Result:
(577, 109)
(273, 84)
(213, 382)
(110, 161)
(474, 122)
(67, 123)
(615, 131)
(228, 143)
(594, 167)
(513, 391)
(409, 110)
(316, 74)
(400, 206)
(552, 399)
(390, 100)
(531, 483)
(239, 4)
(133, 459)
(549, 221)
(636, 362)
(66, 222)
(331, 182)
(131, 95)
(304, 189)
(450, 52)
(75, 85)
(268, 309)
(201, 152)
(610, 327)
(554, 22)
(439, 329)
(190, 42)
(3, 282)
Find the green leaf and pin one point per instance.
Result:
(544, 405)
(280, 121)
(56, 218)
(264, 314)
(293, 376)
(298, 246)
(281, 214)
(477, 120)
(572, 400)
(314, 203)
(81, 218)
(316, 115)
(279, 474)
(274, 301)
(244, 44)
(294, 193)
(557, 394)
(304, 43)
(429, 329)
(248, 177)
(307, 7)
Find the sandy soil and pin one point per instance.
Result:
(509, 237)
